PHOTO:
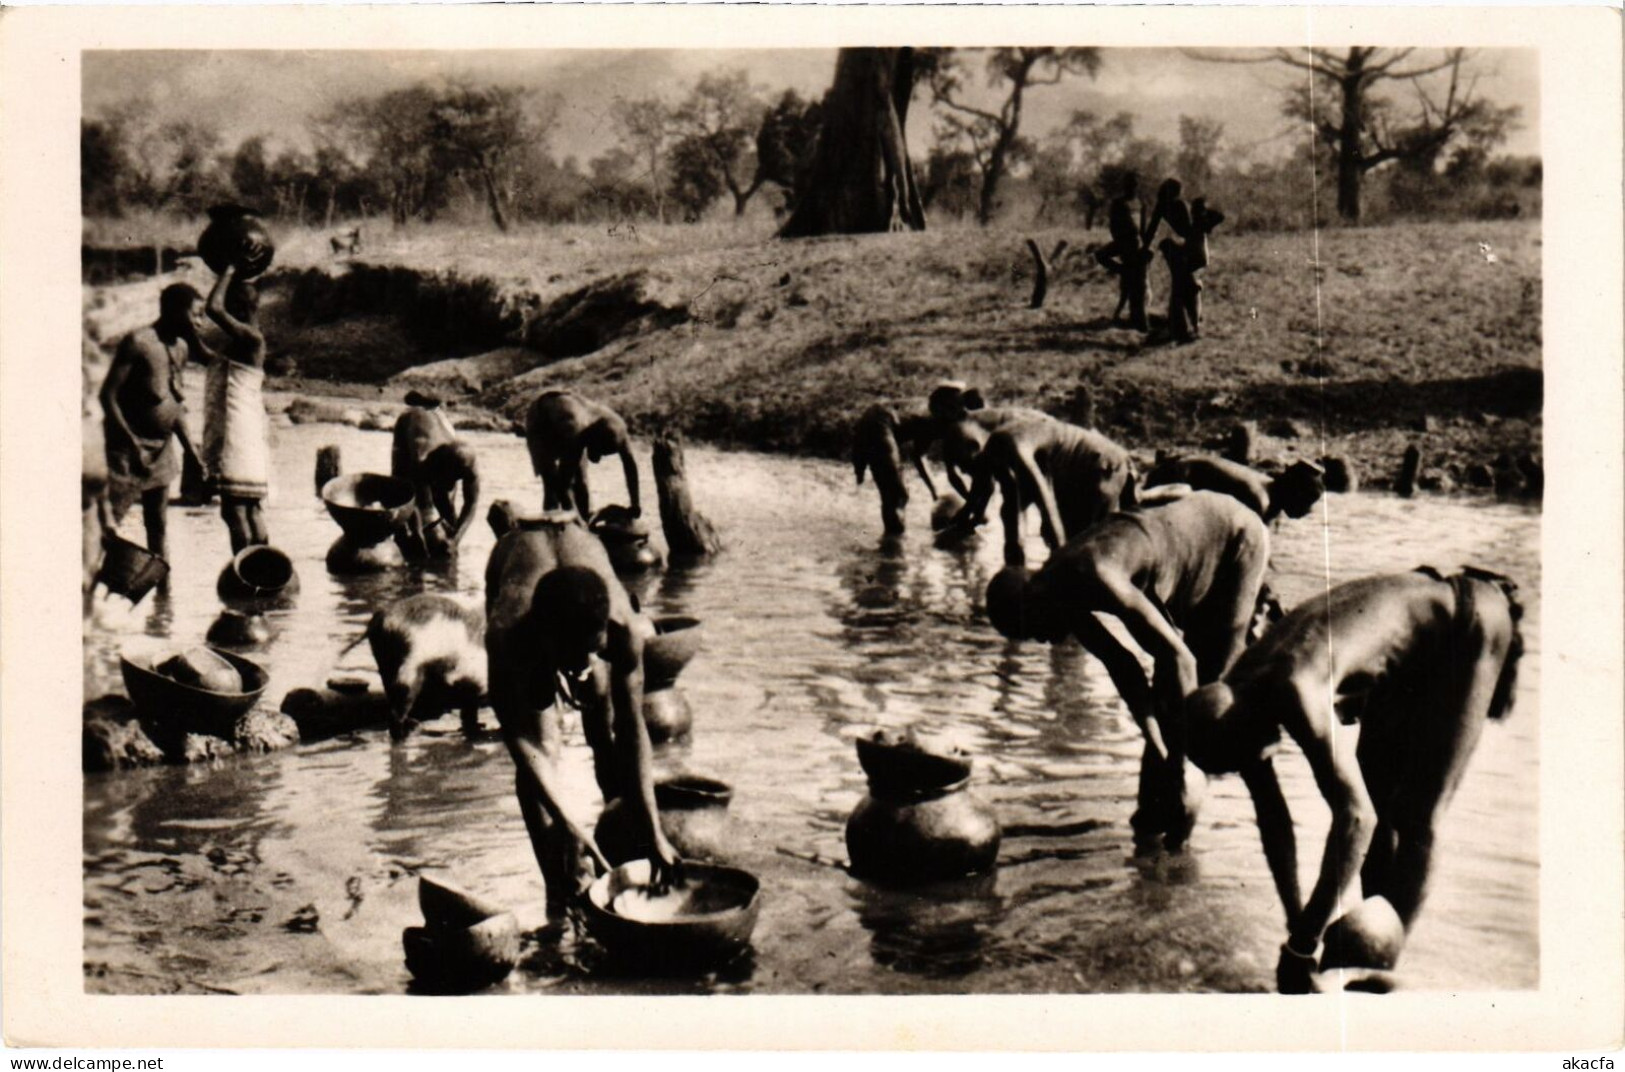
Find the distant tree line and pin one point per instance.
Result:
(464, 149)
(417, 153)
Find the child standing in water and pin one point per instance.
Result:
(237, 449)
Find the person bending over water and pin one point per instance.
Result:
(145, 412)
(961, 422)
(559, 626)
(1293, 493)
(1075, 475)
(877, 447)
(236, 435)
(1420, 660)
(1184, 577)
(561, 428)
(427, 452)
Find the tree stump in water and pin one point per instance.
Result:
(1409, 467)
(688, 533)
(327, 466)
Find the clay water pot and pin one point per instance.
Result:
(934, 836)
(236, 235)
(944, 510)
(347, 558)
(625, 539)
(258, 576)
(693, 816)
(188, 707)
(234, 629)
(129, 569)
(675, 643)
(331, 712)
(466, 943)
(1369, 935)
(705, 922)
(667, 715)
(369, 507)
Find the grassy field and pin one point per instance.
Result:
(1352, 342)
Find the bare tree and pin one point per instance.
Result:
(1363, 130)
(994, 136)
(861, 179)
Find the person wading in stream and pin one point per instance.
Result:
(236, 434)
(427, 453)
(562, 429)
(1184, 577)
(145, 412)
(559, 626)
(1420, 660)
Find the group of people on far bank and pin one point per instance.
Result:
(1129, 254)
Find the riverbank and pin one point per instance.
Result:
(1355, 343)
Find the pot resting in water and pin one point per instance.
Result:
(258, 574)
(924, 840)
(667, 715)
(347, 558)
(693, 816)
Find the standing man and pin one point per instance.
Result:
(1127, 256)
(562, 429)
(1420, 660)
(146, 412)
(560, 627)
(1184, 578)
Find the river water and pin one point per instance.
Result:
(294, 872)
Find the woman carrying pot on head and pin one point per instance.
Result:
(236, 434)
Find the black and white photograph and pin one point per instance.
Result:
(992, 519)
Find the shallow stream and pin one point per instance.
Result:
(293, 872)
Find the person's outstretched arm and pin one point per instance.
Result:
(1337, 774)
(1275, 830)
(632, 741)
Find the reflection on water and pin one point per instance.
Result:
(297, 871)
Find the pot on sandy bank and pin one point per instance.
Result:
(193, 707)
(693, 816)
(259, 577)
(667, 715)
(348, 558)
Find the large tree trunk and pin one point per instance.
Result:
(861, 179)
(493, 200)
(1350, 166)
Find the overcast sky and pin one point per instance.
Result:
(274, 93)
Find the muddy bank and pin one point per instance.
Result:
(1393, 337)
